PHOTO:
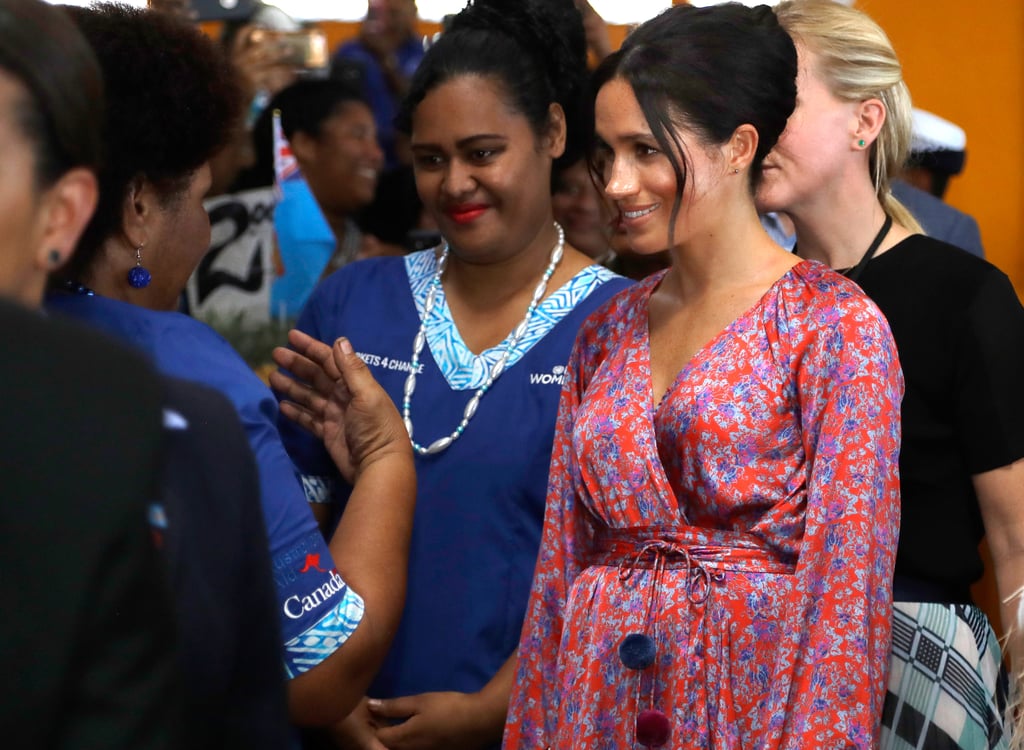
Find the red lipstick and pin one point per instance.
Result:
(464, 213)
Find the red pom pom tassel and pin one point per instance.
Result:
(652, 728)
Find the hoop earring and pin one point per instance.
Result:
(138, 276)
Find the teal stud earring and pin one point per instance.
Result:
(861, 143)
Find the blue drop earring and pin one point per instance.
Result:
(138, 276)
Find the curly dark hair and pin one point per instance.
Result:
(172, 101)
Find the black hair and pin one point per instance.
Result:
(536, 49)
(940, 164)
(710, 70)
(172, 103)
(396, 208)
(307, 104)
(304, 105)
(63, 113)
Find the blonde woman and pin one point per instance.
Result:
(959, 329)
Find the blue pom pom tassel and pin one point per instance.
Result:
(637, 651)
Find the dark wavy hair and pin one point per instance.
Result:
(535, 48)
(172, 101)
(61, 116)
(709, 70)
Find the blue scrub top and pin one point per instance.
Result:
(480, 503)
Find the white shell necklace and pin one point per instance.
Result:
(496, 369)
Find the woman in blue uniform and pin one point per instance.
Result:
(471, 339)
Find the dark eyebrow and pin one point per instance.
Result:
(471, 140)
(464, 142)
(637, 136)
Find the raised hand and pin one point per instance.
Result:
(334, 396)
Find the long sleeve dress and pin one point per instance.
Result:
(744, 527)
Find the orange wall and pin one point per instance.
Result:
(966, 63)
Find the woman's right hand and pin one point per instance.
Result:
(334, 396)
(357, 731)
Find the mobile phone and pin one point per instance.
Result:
(306, 48)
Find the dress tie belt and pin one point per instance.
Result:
(684, 547)
(705, 555)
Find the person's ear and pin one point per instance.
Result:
(303, 146)
(741, 148)
(870, 115)
(69, 204)
(555, 134)
(141, 205)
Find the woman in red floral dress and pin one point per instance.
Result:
(723, 507)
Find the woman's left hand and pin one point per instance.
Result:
(433, 721)
(334, 396)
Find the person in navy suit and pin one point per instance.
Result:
(939, 219)
(938, 151)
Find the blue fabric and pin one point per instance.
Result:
(775, 230)
(317, 610)
(305, 243)
(382, 101)
(480, 503)
(939, 219)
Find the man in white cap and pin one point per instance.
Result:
(937, 152)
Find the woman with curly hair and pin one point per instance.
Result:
(170, 106)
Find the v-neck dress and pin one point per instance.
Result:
(480, 503)
(746, 526)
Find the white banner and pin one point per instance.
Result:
(232, 282)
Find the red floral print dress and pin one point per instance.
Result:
(715, 570)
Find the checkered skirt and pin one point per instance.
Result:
(946, 680)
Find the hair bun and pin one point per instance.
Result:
(549, 30)
(764, 14)
(535, 48)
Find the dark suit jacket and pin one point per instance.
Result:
(219, 562)
(939, 219)
(86, 631)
